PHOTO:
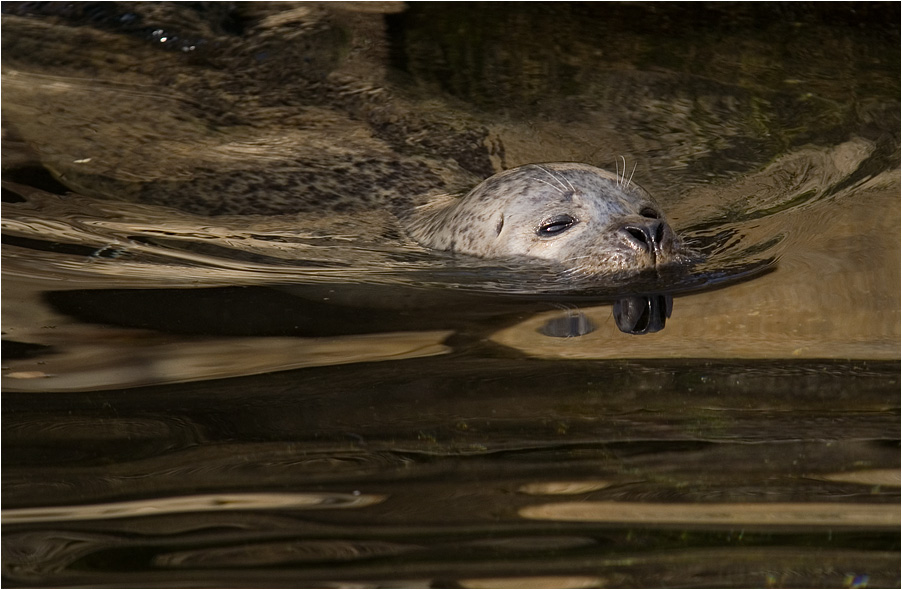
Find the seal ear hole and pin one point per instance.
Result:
(500, 226)
(649, 213)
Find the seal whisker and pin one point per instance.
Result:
(562, 178)
(558, 189)
(631, 174)
(580, 270)
(549, 173)
(622, 178)
(574, 258)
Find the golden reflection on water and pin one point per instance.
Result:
(872, 477)
(125, 358)
(563, 488)
(807, 514)
(834, 294)
(192, 504)
(92, 357)
(535, 582)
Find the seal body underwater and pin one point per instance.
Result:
(242, 125)
(576, 216)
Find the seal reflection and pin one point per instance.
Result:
(642, 314)
(637, 314)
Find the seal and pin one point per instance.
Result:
(585, 219)
(227, 131)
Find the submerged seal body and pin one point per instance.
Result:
(284, 117)
(579, 217)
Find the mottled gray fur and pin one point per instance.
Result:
(604, 223)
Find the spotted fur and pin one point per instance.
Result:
(616, 225)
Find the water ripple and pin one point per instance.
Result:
(193, 504)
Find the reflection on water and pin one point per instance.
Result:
(641, 315)
(733, 513)
(190, 504)
(447, 468)
(314, 399)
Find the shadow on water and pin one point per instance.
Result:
(199, 398)
(250, 312)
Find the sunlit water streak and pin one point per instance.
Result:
(192, 504)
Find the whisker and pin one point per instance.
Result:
(558, 189)
(577, 271)
(623, 179)
(631, 175)
(573, 258)
(563, 178)
(548, 172)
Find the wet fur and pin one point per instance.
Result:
(500, 219)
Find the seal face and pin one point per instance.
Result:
(583, 218)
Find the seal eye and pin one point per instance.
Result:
(555, 225)
(649, 213)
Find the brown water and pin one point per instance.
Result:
(271, 401)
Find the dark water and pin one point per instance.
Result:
(194, 401)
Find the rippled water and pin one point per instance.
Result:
(315, 400)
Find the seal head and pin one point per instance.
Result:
(583, 218)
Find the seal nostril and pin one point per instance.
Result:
(638, 234)
(649, 236)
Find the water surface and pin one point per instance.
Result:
(314, 400)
